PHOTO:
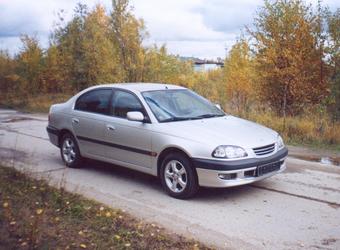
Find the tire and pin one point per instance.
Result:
(69, 151)
(178, 177)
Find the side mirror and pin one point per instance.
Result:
(135, 116)
(218, 106)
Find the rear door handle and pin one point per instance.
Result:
(75, 120)
(110, 127)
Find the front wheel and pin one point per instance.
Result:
(178, 177)
(69, 151)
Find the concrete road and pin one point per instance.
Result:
(299, 208)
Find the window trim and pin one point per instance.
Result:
(110, 114)
(87, 92)
(147, 117)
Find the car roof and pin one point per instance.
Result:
(140, 87)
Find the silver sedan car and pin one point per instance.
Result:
(166, 131)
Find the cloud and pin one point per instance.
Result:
(19, 16)
(36, 18)
(175, 20)
(189, 27)
(202, 49)
(228, 16)
(194, 27)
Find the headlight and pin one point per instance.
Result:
(229, 152)
(280, 143)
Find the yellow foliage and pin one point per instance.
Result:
(239, 76)
(39, 211)
(305, 128)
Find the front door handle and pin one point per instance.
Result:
(110, 127)
(75, 120)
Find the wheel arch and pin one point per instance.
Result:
(168, 150)
(62, 132)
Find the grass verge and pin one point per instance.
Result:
(313, 130)
(34, 104)
(34, 215)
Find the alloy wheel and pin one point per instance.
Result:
(68, 150)
(175, 176)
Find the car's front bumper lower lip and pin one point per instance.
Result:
(238, 172)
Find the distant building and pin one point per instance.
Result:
(204, 64)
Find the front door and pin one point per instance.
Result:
(127, 141)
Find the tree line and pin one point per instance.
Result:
(287, 61)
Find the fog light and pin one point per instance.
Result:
(227, 176)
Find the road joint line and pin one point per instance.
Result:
(337, 205)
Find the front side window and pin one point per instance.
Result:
(180, 104)
(95, 101)
(124, 102)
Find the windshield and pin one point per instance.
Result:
(179, 105)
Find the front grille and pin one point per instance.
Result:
(264, 150)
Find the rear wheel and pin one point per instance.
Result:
(69, 151)
(178, 177)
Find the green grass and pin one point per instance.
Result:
(34, 215)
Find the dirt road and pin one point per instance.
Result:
(299, 208)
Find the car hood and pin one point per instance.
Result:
(227, 130)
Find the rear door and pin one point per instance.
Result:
(128, 141)
(88, 123)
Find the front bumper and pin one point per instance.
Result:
(217, 173)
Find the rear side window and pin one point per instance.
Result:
(123, 102)
(95, 101)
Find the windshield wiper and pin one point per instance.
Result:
(175, 119)
(207, 116)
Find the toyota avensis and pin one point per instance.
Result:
(166, 131)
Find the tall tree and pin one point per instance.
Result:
(88, 54)
(54, 77)
(30, 65)
(289, 53)
(128, 33)
(334, 51)
(239, 76)
(8, 76)
(69, 40)
(101, 54)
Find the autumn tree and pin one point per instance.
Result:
(69, 40)
(289, 55)
(101, 55)
(159, 66)
(29, 66)
(128, 33)
(239, 76)
(54, 77)
(334, 51)
(88, 54)
(8, 75)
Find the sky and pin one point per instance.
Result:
(199, 28)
